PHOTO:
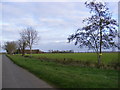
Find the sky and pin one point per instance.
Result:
(54, 21)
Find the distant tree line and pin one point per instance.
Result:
(63, 51)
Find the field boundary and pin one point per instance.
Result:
(69, 61)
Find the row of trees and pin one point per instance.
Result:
(28, 37)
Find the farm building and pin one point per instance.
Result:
(36, 51)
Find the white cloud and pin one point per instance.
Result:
(51, 20)
(0, 11)
(11, 9)
(61, 41)
(26, 21)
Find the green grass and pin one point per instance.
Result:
(66, 76)
(92, 57)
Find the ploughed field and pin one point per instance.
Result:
(70, 76)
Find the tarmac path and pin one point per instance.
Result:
(14, 76)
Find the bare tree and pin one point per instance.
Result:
(10, 47)
(22, 44)
(99, 31)
(30, 36)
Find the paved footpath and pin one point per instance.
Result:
(14, 76)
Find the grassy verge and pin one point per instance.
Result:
(66, 76)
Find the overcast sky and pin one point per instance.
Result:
(54, 21)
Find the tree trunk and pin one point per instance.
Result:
(99, 60)
(100, 53)
(23, 50)
(30, 51)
